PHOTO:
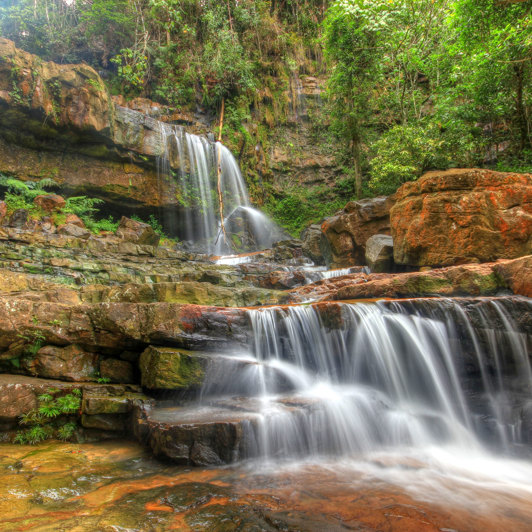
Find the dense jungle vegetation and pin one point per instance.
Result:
(412, 85)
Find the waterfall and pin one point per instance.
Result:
(350, 379)
(199, 163)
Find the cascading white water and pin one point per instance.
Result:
(200, 163)
(383, 379)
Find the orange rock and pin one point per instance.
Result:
(348, 231)
(462, 215)
(50, 202)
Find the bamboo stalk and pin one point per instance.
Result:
(219, 173)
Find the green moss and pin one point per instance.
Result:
(425, 285)
(171, 369)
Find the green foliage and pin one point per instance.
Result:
(132, 67)
(403, 153)
(300, 206)
(51, 417)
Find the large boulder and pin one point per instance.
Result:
(379, 253)
(462, 215)
(348, 231)
(137, 232)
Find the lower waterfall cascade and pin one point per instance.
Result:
(351, 379)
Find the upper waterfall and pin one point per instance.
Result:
(210, 188)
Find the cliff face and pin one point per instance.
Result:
(59, 121)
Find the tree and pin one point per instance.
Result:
(352, 44)
(494, 43)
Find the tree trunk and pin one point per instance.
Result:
(522, 124)
(357, 163)
(272, 7)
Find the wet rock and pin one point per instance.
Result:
(19, 218)
(348, 231)
(315, 246)
(68, 363)
(379, 253)
(137, 232)
(107, 422)
(164, 368)
(199, 437)
(462, 215)
(49, 202)
(115, 370)
(74, 230)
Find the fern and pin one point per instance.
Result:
(66, 431)
(82, 205)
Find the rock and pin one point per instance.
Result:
(379, 253)
(74, 220)
(165, 368)
(467, 279)
(111, 422)
(348, 231)
(287, 251)
(68, 363)
(19, 218)
(116, 370)
(3, 211)
(315, 246)
(15, 401)
(281, 280)
(120, 326)
(462, 215)
(137, 232)
(201, 438)
(74, 230)
(50, 202)
(517, 274)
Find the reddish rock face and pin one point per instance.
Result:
(517, 274)
(462, 215)
(50, 202)
(349, 230)
(3, 210)
(70, 363)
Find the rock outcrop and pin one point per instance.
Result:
(348, 231)
(461, 216)
(468, 279)
(59, 122)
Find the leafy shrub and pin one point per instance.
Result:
(50, 418)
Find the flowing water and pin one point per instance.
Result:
(420, 393)
(209, 182)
